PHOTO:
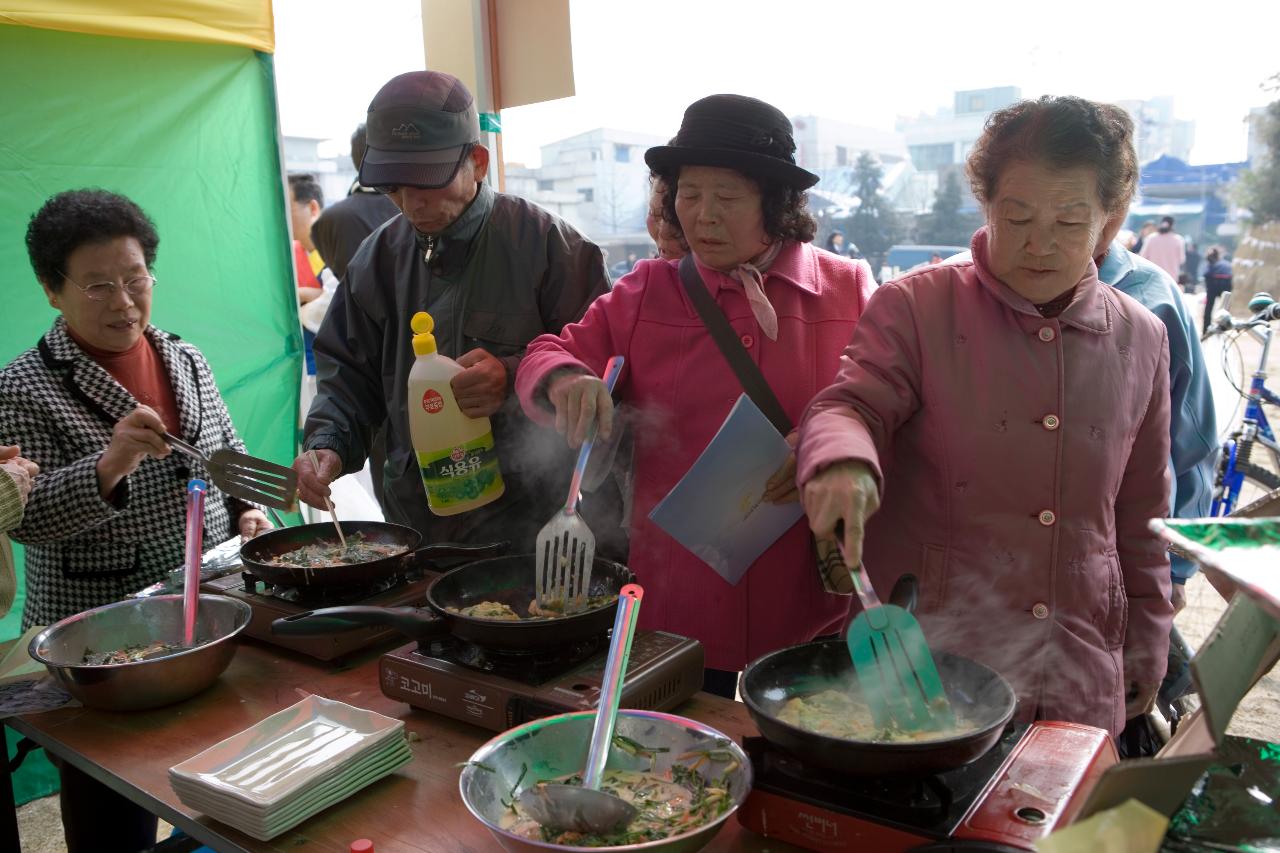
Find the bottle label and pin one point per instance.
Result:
(432, 402)
(461, 474)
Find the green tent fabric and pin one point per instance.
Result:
(189, 132)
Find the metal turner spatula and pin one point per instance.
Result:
(243, 476)
(566, 547)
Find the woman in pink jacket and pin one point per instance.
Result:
(1006, 419)
(733, 187)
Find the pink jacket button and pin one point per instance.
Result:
(1040, 610)
(1047, 518)
(1050, 422)
(1047, 333)
(748, 341)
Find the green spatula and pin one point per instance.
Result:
(895, 669)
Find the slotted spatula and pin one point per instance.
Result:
(566, 547)
(895, 668)
(243, 476)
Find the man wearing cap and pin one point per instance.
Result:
(494, 271)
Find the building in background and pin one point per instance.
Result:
(1158, 133)
(324, 159)
(830, 149)
(939, 143)
(599, 183)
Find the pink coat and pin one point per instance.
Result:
(1019, 459)
(683, 389)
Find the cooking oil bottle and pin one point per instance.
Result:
(455, 453)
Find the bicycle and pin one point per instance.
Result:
(1235, 465)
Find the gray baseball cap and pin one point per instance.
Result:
(420, 126)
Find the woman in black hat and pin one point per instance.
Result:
(733, 187)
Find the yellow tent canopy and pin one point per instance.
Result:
(247, 23)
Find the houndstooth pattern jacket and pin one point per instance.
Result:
(83, 551)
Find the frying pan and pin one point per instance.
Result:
(255, 553)
(982, 699)
(508, 580)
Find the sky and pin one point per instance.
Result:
(638, 65)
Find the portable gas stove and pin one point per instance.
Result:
(1033, 781)
(498, 689)
(272, 602)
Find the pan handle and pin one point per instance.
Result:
(418, 623)
(456, 549)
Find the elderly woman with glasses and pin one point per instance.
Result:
(91, 403)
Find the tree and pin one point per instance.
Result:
(946, 225)
(873, 226)
(1260, 186)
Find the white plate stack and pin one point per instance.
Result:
(274, 775)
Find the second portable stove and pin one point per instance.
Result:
(273, 602)
(498, 689)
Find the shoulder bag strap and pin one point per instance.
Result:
(747, 371)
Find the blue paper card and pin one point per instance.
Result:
(717, 509)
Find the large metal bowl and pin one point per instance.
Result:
(557, 746)
(146, 683)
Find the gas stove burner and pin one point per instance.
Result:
(319, 596)
(530, 667)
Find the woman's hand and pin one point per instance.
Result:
(842, 494)
(136, 436)
(23, 471)
(580, 399)
(252, 523)
(782, 488)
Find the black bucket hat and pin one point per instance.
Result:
(734, 132)
(420, 127)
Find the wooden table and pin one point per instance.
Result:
(416, 809)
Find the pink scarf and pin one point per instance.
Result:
(751, 274)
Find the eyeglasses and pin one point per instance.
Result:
(101, 291)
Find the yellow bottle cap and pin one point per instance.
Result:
(424, 343)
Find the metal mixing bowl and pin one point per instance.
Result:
(146, 683)
(557, 746)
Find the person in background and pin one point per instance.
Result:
(90, 404)
(1016, 360)
(337, 233)
(306, 199)
(732, 184)
(17, 476)
(1217, 281)
(1148, 228)
(342, 226)
(1165, 248)
(494, 271)
(1190, 276)
(666, 236)
(935, 258)
(835, 243)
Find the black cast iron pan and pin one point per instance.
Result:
(255, 553)
(508, 580)
(982, 699)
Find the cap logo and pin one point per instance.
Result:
(406, 130)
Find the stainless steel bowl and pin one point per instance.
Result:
(146, 683)
(557, 746)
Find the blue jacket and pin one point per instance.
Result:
(1192, 426)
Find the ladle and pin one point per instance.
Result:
(586, 808)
